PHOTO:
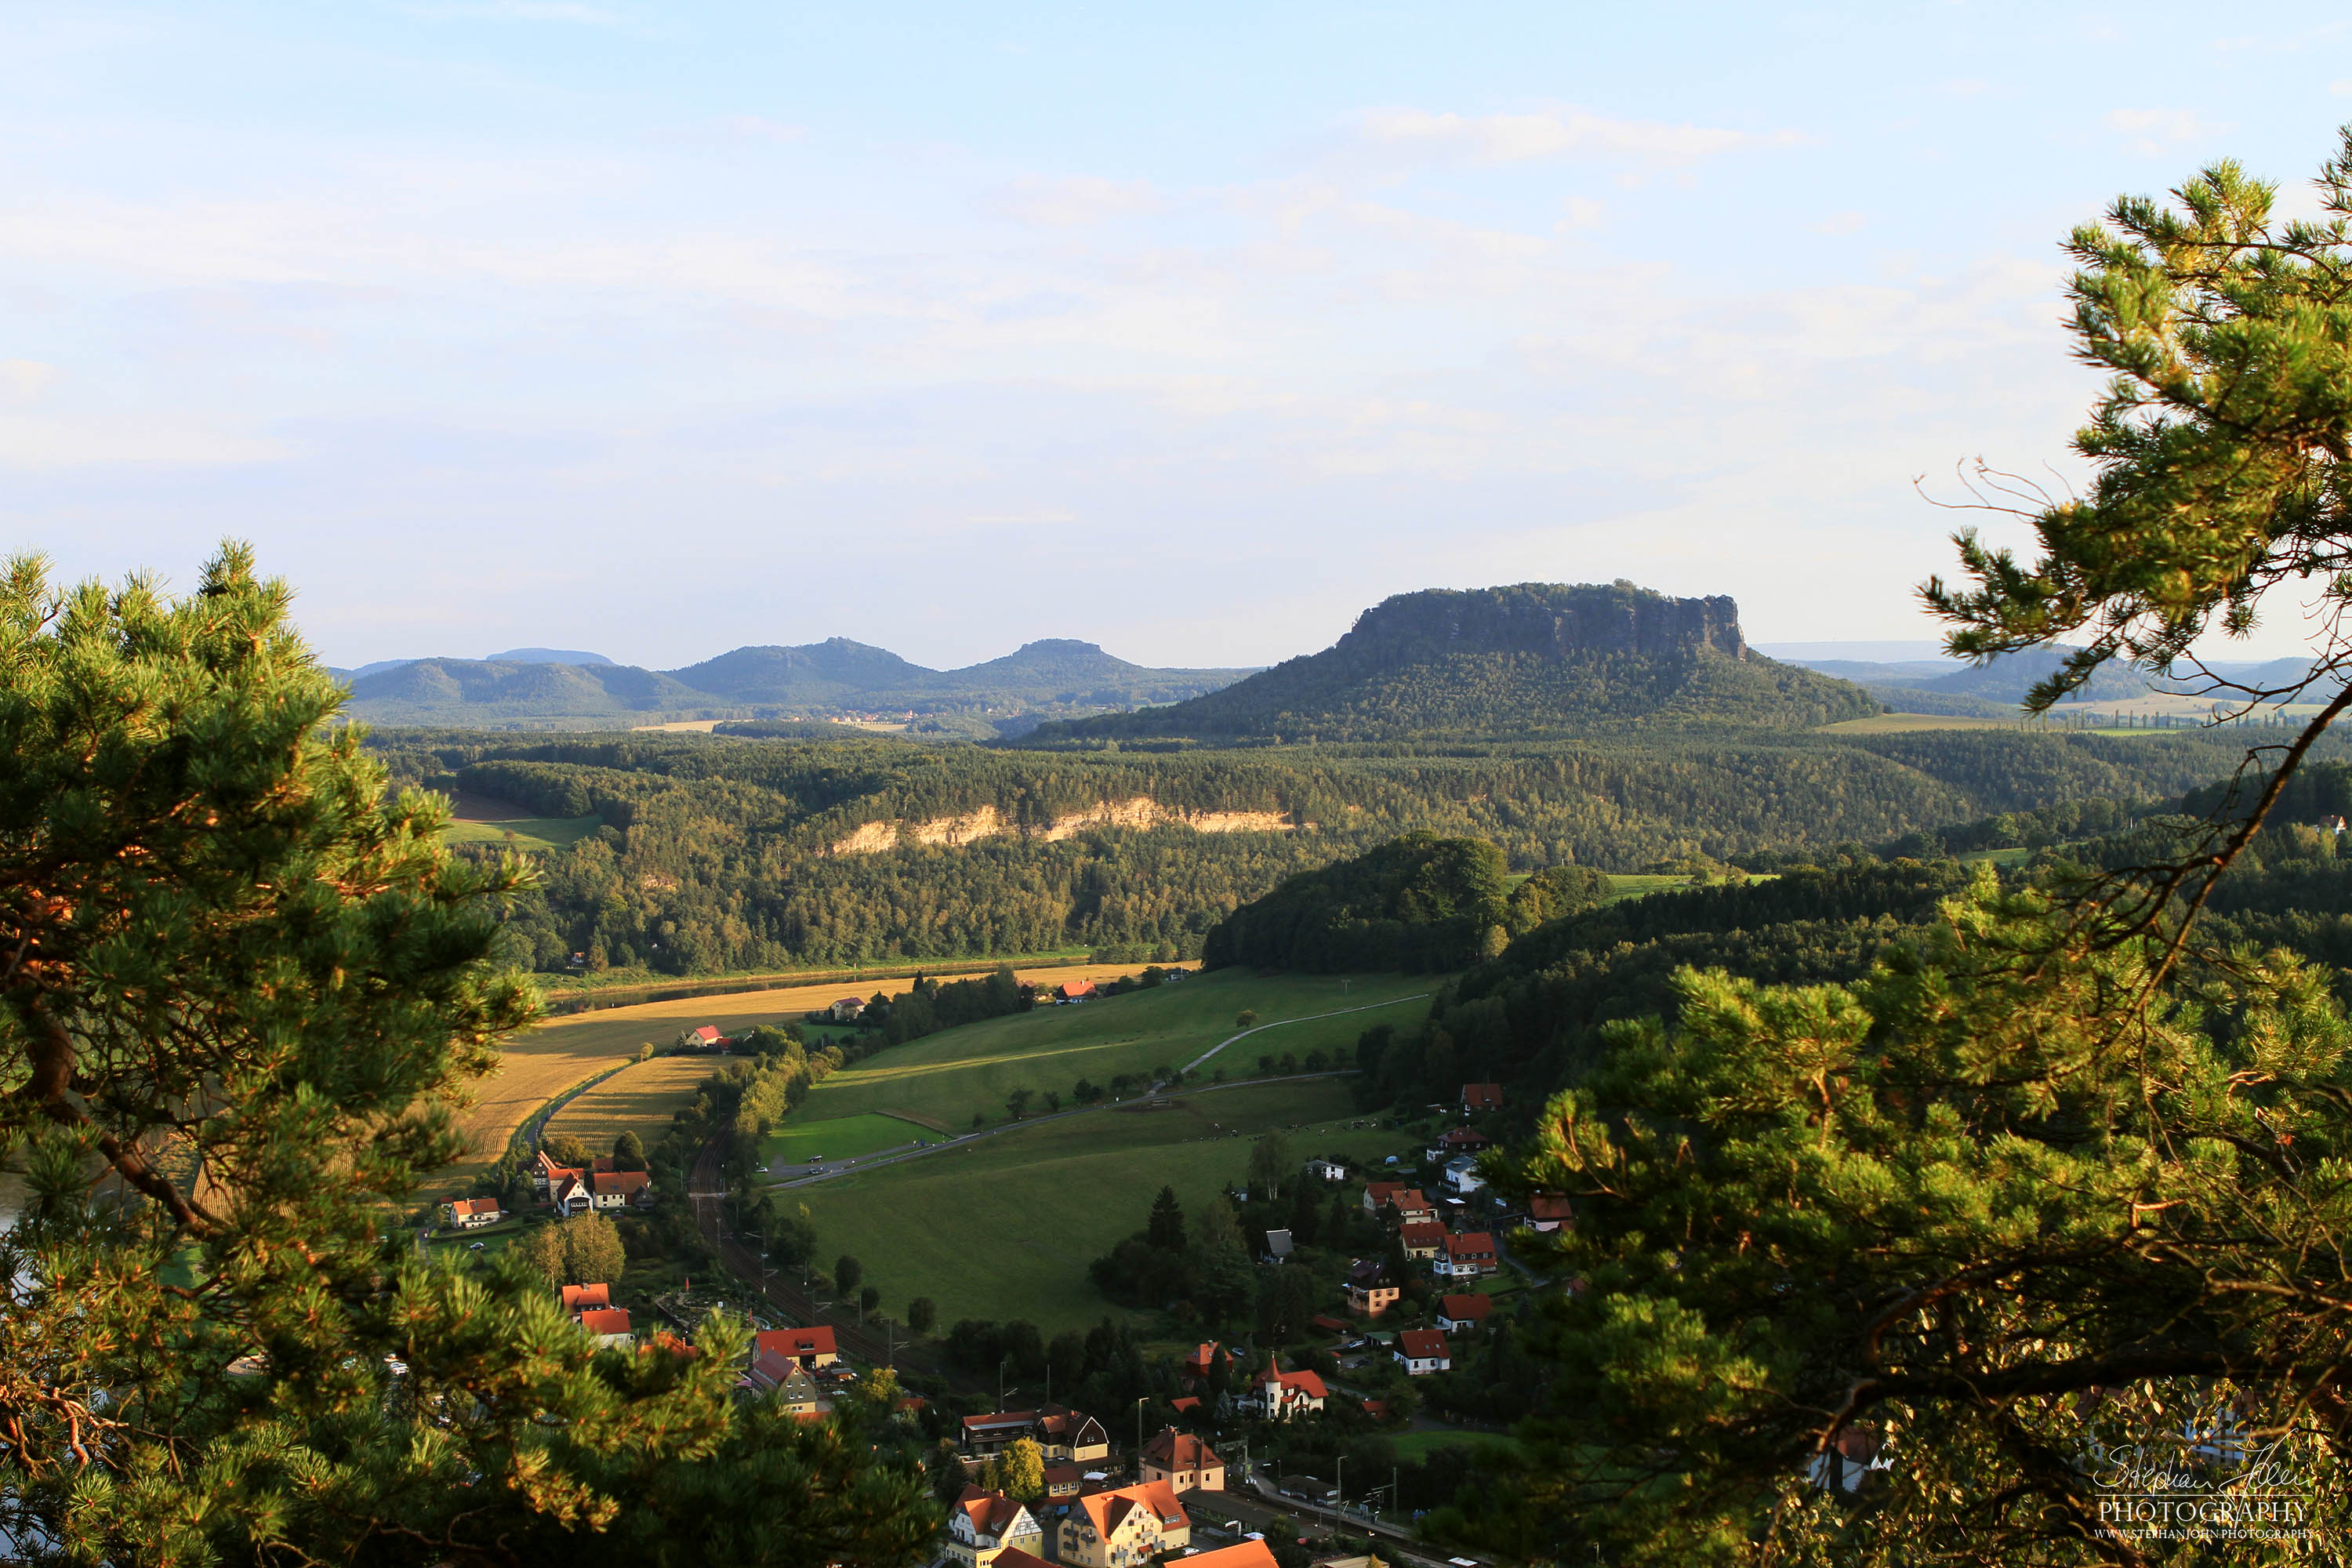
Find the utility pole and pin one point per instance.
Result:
(1339, 1486)
(1139, 1401)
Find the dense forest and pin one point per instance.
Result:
(1420, 902)
(720, 853)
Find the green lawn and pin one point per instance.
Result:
(528, 833)
(946, 1077)
(1418, 1444)
(839, 1137)
(1005, 1227)
(1634, 886)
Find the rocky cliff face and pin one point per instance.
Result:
(1557, 619)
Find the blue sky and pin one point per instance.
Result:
(658, 330)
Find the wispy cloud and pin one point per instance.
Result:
(1073, 202)
(1513, 138)
(2155, 130)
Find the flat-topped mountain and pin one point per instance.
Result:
(1531, 659)
(835, 678)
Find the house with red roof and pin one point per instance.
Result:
(846, 1009)
(472, 1213)
(1456, 1314)
(1371, 1288)
(1182, 1461)
(1378, 1193)
(1200, 1363)
(1410, 1208)
(983, 1526)
(1242, 1555)
(1477, 1097)
(1121, 1528)
(1275, 1394)
(1422, 1240)
(609, 1325)
(579, 1299)
(1547, 1212)
(1074, 991)
(621, 1189)
(805, 1348)
(1421, 1352)
(1469, 1255)
(707, 1038)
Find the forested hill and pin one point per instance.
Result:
(832, 679)
(1529, 660)
(714, 853)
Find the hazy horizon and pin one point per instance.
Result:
(659, 333)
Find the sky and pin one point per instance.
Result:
(657, 329)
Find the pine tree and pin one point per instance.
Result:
(233, 953)
(1165, 1230)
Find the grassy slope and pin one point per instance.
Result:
(946, 1077)
(839, 1138)
(1006, 1227)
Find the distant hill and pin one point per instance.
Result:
(552, 687)
(1997, 686)
(1531, 659)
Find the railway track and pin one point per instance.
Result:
(707, 1195)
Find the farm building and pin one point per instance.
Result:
(471, 1214)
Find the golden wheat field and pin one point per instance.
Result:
(638, 1099)
(545, 1061)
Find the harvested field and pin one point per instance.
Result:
(639, 1099)
(546, 1061)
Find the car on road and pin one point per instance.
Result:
(478, 1246)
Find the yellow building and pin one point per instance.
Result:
(984, 1524)
(1123, 1528)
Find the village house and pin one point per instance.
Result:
(807, 1348)
(1461, 1141)
(1371, 1288)
(1478, 1097)
(1242, 1554)
(1457, 1314)
(610, 1327)
(1421, 1241)
(472, 1213)
(1326, 1171)
(1065, 1435)
(621, 1189)
(846, 1009)
(1200, 1363)
(1275, 1394)
(1462, 1174)
(1421, 1352)
(772, 1373)
(1547, 1212)
(1410, 1208)
(570, 1194)
(707, 1039)
(1182, 1461)
(1277, 1247)
(1378, 1193)
(982, 1526)
(579, 1299)
(1122, 1528)
(1073, 990)
(1064, 1480)
(1467, 1257)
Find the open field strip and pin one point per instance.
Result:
(842, 1137)
(638, 1099)
(541, 1063)
(1902, 724)
(950, 1076)
(1004, 1226)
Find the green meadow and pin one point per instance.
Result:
(1005, 1227)
(944, 1080)
(839, 1137)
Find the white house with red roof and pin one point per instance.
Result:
(1275, 1394)
(1468, 1256)
(1421, 1352)
(472, 1213)
(1182, 1461)
(579, 1299)
(610, 1327)
(1456, 1314)
(620, 1189)
(984, 1525)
